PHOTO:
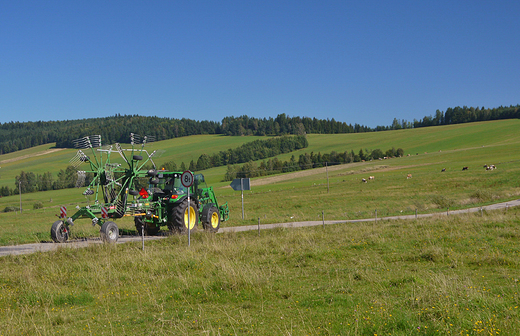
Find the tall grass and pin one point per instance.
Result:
(449, 275)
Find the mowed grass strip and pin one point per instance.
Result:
(456, 275)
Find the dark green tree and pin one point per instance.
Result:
(25, 182)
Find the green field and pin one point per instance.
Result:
(304, 195)
(448, 275)
(436, 276)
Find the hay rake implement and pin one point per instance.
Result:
(117, 173)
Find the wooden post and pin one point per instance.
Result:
(327, 170)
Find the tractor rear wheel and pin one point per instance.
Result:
(179, 217)
(59, 232)
(109, 232)
(148, 230)
(211, 220)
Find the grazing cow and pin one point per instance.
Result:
(443, 170)
(363, 180)
(491, 167)
(465, 168)
(371, 177)
(409, 176)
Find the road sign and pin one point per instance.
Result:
(104, 212)
(63, 212)
(241, 184)
(187, 179)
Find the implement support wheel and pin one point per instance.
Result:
(109, 232)
(59, 232)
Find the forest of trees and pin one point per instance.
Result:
(251, 151)
(306, 161)
(16, 136)
(457, 115)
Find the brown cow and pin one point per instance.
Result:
(409, 176)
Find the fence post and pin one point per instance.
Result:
(259, 226)
(376, 216)
(415, 214)
(142, 234)
(327, 170)
(323, 217)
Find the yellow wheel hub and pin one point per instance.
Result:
(191, 224)
(214, 220)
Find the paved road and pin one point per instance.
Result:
(44, 247)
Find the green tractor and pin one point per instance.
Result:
(166, 203)
(122, 187)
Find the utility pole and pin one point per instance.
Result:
(20, 192)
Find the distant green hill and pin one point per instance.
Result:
(47, 158)
(16, 136)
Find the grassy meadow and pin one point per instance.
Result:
(437, 276)
(441, 275)
(336, 191)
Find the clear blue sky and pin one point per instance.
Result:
(363, 62)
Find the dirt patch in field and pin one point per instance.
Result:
(295, 175)
(45, 152)
(322, 170)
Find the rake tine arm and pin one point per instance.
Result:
(146, 161)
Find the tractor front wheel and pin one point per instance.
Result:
(59, 232)
(211, 220)
(179, 217)
(109, 232)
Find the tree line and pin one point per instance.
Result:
(16, 136)
(306, 161)
(28, 182)
(251, 151)
(457, 115)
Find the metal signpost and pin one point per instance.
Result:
(187, 181)
(241, 184)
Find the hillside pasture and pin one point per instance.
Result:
(179, 150)
(435, 276)
(308, 195)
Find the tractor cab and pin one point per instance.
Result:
(173, 185)
(167, 185)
